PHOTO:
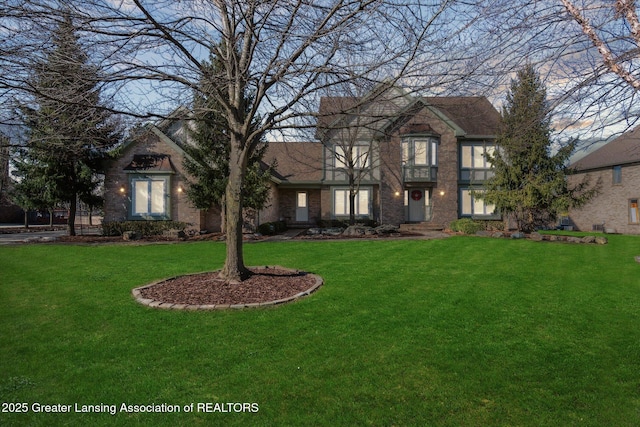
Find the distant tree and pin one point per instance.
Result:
(530, 183)
(209, 148)
(68, 132)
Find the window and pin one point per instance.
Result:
(474, 165)
(474, 206)
(617, 174)
(420, 152)
(341, 202)
(634, 212)
(474, 156)
(149, 197)
(359, 156)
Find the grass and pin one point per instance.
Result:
(463, 331)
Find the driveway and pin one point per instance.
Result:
(13, 234)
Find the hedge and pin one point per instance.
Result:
(142, 228)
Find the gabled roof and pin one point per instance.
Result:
(475, 115)
(467, 116)
(625, 149)
(297, 162)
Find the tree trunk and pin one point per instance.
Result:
(51, 218)
(352, 208)
(234, 269)
(26, 218)
(71, 222)
(352, 198)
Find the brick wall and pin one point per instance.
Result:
(287, 205)
(444, 197)
(611, 206)
(118, 203)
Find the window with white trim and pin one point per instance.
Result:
(341, 202)
(634, 212)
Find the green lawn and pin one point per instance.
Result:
(464, 331)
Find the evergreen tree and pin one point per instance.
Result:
(68, 133)
(530, 183)
(209, 155)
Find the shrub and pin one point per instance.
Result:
(467, 226)
(142, 228)
(270, 228)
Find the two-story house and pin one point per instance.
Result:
(406, 158)
(402, 158)
(616, 165)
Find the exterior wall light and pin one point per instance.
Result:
(441, 192)
(122, 190)
(397, 193)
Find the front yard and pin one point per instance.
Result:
(463, 331)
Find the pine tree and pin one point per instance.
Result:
(68, 131)
(530, 183)
(209, 155)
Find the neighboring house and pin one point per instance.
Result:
(9, 212)
(617, 166)
(413, 160)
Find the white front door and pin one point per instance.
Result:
(302, 207)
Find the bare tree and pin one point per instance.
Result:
(618, 49)
(277, 58)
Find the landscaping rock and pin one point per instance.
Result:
(386, 229)
(174, 234)
(498, 235)
(536, 237)
(588, 239)
(518, 235)
(601, 240)
(130, 235)
(483, 233)
(572, 239)
(357, 230)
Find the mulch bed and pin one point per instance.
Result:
(267, 284)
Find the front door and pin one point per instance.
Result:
(302, 207)
(419, 205)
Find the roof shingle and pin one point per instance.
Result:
(623, 150)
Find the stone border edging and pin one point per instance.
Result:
(137, 295)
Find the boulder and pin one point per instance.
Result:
(386, 229)
(498, 235)
(572, 239)
(588, 239)
(518, 235)
(130, 235)
(357, 230)
(175, 234)
(600, 240)
(536, 236)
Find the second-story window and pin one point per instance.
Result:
(474, 162)
(617, 174)
(359, 156)
(420, 151)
